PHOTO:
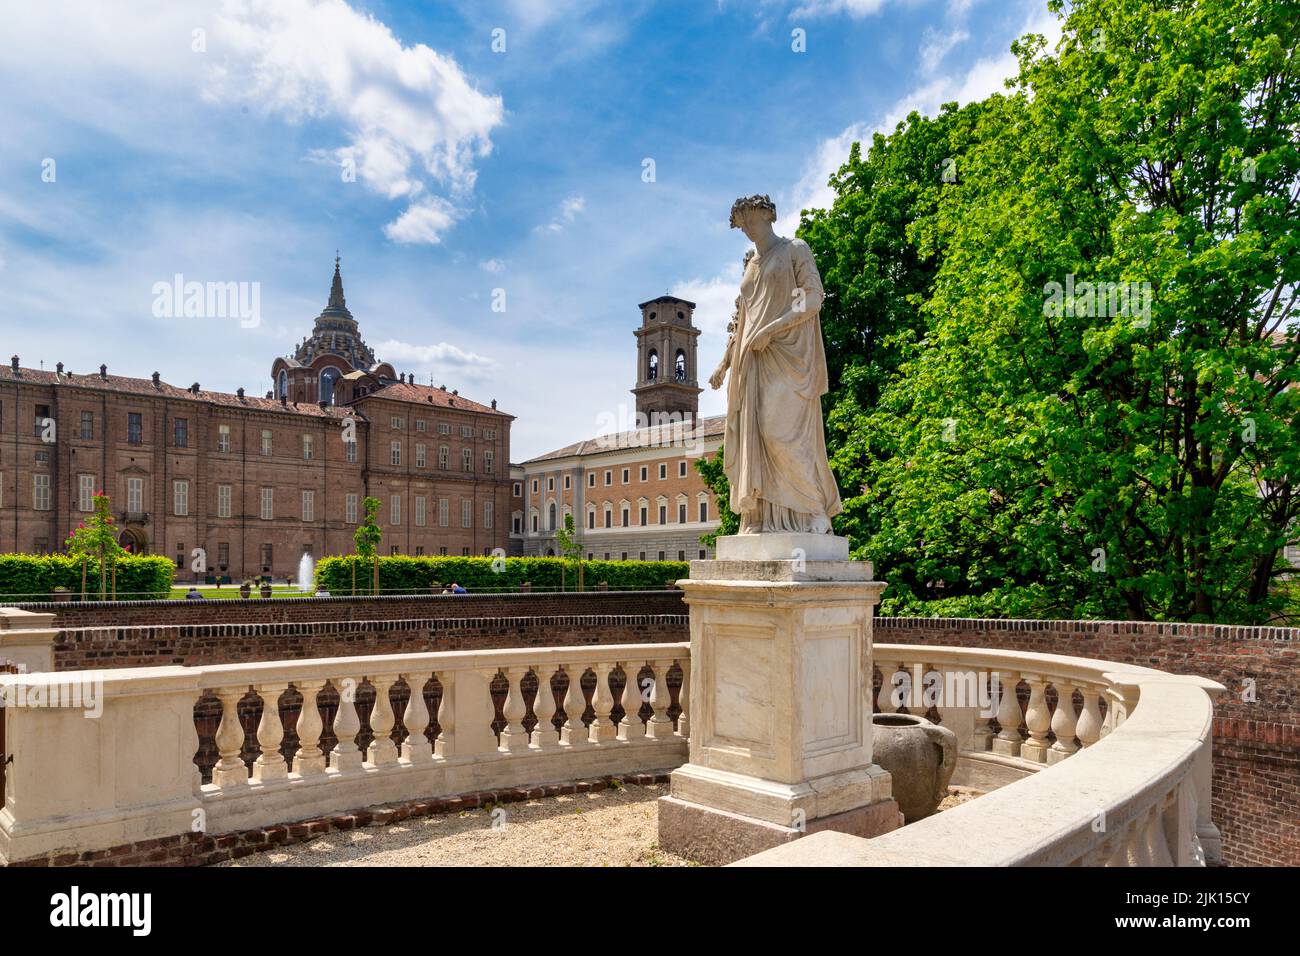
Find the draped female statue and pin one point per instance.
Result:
(774, 446)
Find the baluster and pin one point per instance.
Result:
(416, 748)
(574, 733)
(684, 699)
(1007, 742)
(884, 705)
(602, 701)
(382, 750)
(982, 736)
(346, 755)
(513, 737)
(660, 726)
(1088, 729)
(1037, 720)
(445, 745)
(230, 770)
(545, 736)
(1126, 847)
(1063, 723)
(309, 759)
(631, 727)
(270, 764)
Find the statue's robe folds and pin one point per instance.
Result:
(775, 448)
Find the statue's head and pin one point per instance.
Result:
(750, 214)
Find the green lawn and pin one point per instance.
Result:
(231, 591)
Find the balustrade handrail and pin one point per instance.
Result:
(1138, 796)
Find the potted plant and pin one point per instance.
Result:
(265, 589)
(245, 588)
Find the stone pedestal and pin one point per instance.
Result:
(780, 700)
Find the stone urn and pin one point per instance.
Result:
(265, 589)
(919, 755)
(245, 589)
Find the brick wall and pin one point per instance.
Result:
(1256, 741)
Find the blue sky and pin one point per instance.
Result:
(224, 156)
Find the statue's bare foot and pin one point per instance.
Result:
(821, 524)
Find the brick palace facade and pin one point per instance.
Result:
(256, 482)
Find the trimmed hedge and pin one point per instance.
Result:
(33, 577)
(404, 574)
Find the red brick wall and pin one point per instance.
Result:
(1256, 742)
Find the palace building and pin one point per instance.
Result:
(634, 495)
(256, 482)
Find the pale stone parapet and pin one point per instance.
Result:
(80, 782)
(27, 639)
(1138, 796)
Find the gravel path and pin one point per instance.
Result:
(609, 828)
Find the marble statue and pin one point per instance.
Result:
(774, 445)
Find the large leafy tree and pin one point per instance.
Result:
(1041, 454)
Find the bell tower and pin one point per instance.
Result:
(666, 375)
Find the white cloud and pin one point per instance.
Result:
(935, 46)
(429, 358)
(492, 265)
(824, 8)
(570, 208)
(423, 222)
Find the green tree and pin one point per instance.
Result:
(570, 548)
(715, 479)
(367, 538)
(96, 537)
(1131, 449)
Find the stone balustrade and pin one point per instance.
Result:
(130, 774)
(1084, 762)
(1088, 763)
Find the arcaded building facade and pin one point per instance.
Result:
(255, 482)
(634, 495)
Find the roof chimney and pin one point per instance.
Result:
(402, 378)
(157, 380)
(270, 394)
(494, 404)
(455, 391)
(195, 388)
(103, 371)
(59, 368)
(13, 363)
(240, 392)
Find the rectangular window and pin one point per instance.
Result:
(609, 517)
(642, 556)
(266, 441)
(466, 431)
(42, 413)
(591, 520)
(467, 459)
(645, 473)
(350, 509)
(421, 425)
(419, 511)
(309, 506)
(625, 518)
(268, 504)
(396, 422)
(395, 509)
(703, 554)
(567, 483)
(134, 428)
(351, 447)
(223, 501)
(85, 492)
(135, 495)
(223, 438)
(180, 497)
(87, 425)
(419, 548)
(308, 448)
(663, 514)
(267, 554)
(663, 470)
(181, 432)
(487, 515)
(644, 518)
(490, 434)
(41, 492)
(444, 454)
(681, 469)
(444, 429)
(534, 486)
(591, 479)
(223, 555)
(395, 453)
(420, 458)
(518, 489)
(704, 511)
(681, 555)
(681, 512)
(516, 524)
(626, 475)
(489, 462)
(444, 513)
(661, 555)
(550, 484)
(466, 513)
